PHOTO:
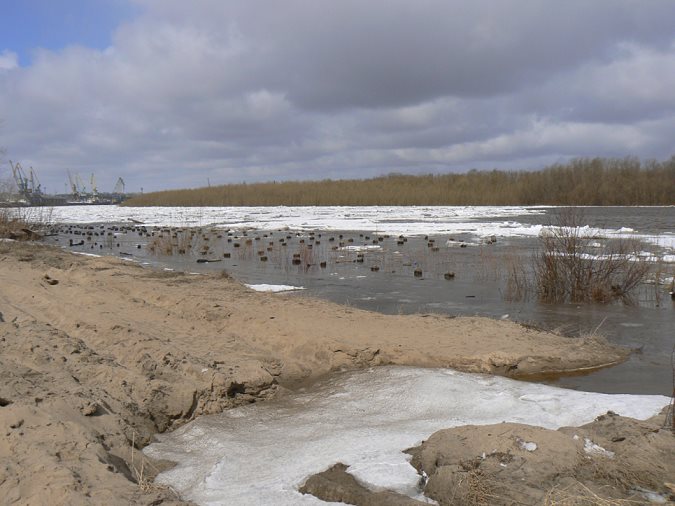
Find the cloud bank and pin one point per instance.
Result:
(232, 91)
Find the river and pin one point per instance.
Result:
(367, 257)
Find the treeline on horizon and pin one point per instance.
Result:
(583, 181)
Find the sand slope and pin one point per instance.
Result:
(614, 458)
(98, 353)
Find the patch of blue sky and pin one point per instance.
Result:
(26, 26)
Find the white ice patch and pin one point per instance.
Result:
(366, 247)
(85, 254)
(651, 496)
(529, 446)
(262, 453)
(274, 288)
(644, 256)
(593, 449)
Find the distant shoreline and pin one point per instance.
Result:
(582, 182)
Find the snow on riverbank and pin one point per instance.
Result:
(261, 454)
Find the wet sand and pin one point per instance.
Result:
(99, 354)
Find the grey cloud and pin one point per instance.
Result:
(390, 53)
(264, 90)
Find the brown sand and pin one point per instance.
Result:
(337, 485)
(492, 465)
(97, 354)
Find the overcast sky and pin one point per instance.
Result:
(172, 93)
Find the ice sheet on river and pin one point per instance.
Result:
(402, 219)
(481, 221)
(261, 454)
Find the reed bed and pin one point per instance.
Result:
(584, 181)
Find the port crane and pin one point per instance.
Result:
(78, 188)
(94, 189)
(77, 192)
(119, 187)
(75, 188)
(28, 185)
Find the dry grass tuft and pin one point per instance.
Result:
(474, 486)
(579, 494)
(145, 479)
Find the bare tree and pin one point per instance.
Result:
(7, 184)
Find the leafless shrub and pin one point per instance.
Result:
(8, 222)
(14, 220)
(568, 269)
(670, 412)
(662, 279)
(8, 189)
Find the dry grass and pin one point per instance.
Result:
(669, 421)
(145, 477)
(579, 494)
(479, 490)
(15, 220)
(585, 181)
(474, 487)
(9, 223)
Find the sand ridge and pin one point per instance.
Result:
(98, 353)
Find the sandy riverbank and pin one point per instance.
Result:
(611, 461)
(98, 354)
